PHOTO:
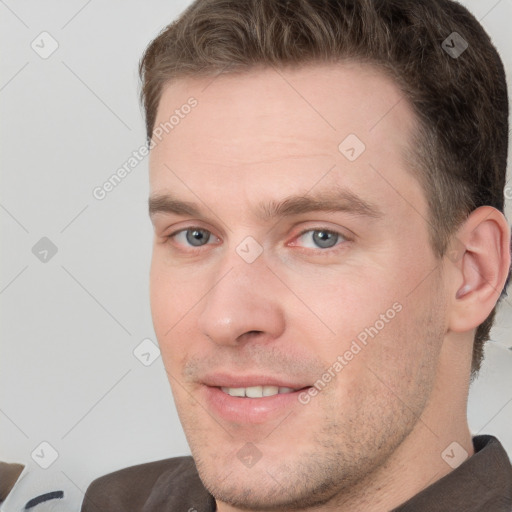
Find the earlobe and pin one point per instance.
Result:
(480, 270)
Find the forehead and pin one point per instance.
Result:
(332, 97)
(270, 124)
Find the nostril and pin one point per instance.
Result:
(248, 335)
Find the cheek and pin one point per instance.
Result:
(171, 294)
(161, 301)
(377, 315)
(348, 306)
(170, 306)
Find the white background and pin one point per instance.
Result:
(68, 375)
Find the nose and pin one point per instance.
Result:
(243, 304)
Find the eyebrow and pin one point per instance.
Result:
(333, 200)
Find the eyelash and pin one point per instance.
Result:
(328, 250)
(191, 228)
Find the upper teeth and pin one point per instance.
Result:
(257, 391)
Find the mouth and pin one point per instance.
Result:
(258, 391)
(250, 400)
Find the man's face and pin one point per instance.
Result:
(339, 308)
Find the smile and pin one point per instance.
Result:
(257, 391)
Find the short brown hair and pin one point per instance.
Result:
(460, 102)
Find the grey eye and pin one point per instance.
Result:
(325, 239)
(197, 237)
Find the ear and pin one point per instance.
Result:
(479, 263)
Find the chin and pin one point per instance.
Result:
(269, 484)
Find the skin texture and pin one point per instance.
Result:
(374, 435)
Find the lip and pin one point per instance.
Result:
(244, 381)
(249, 411)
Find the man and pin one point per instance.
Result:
(327, 194)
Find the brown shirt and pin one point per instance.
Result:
(483, 483)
